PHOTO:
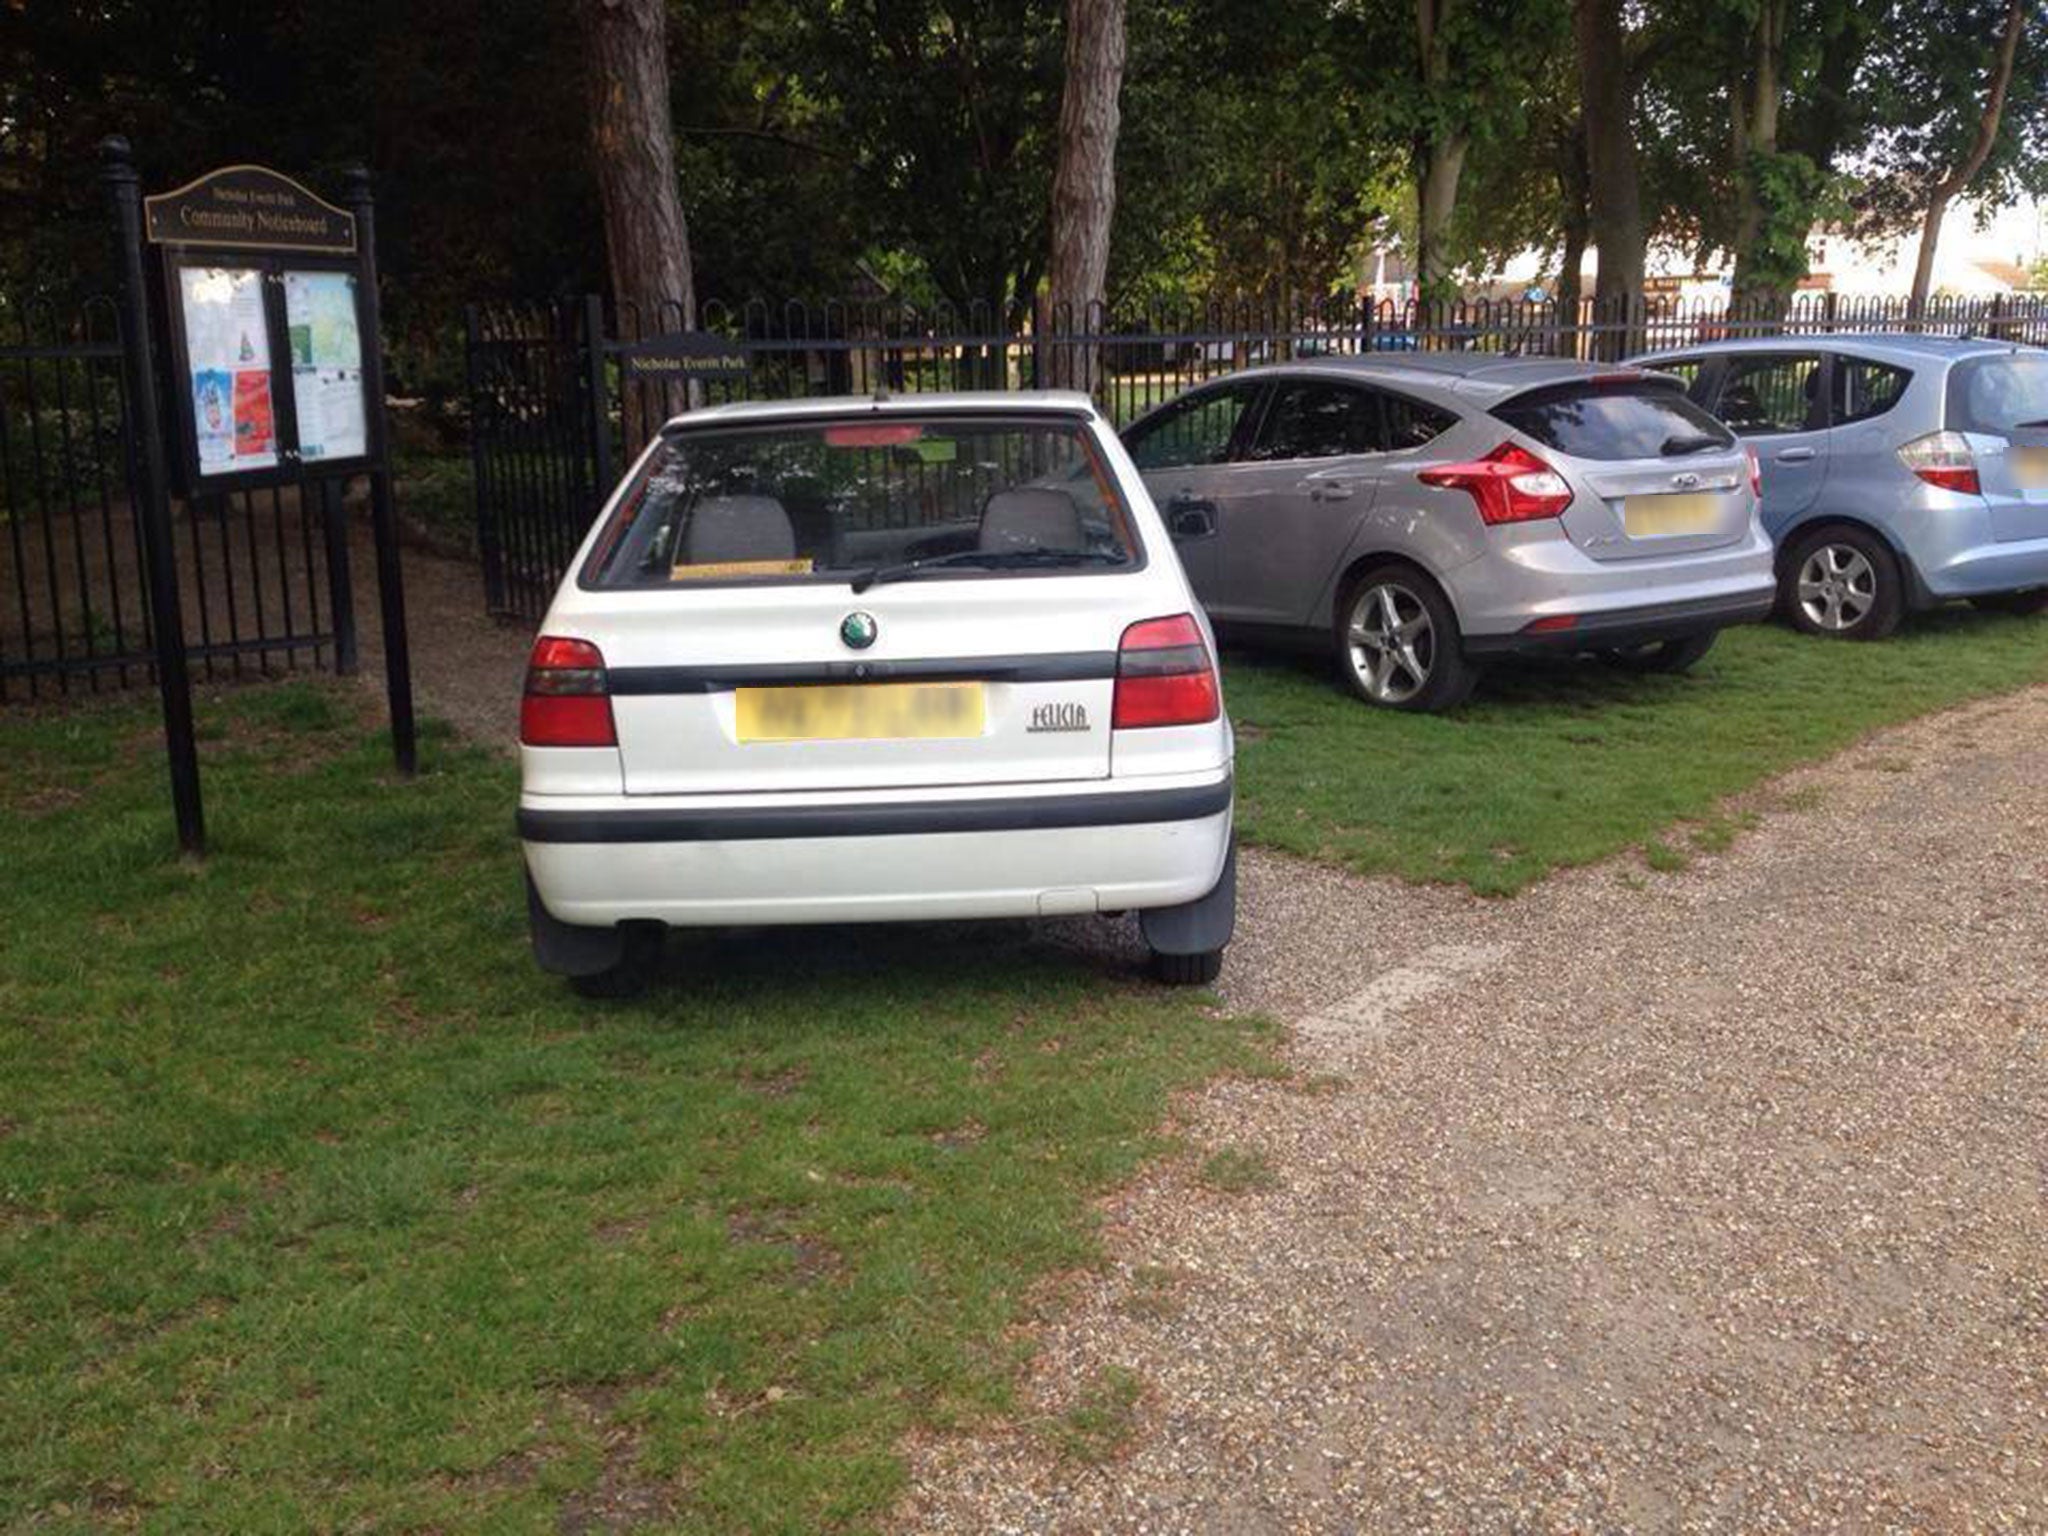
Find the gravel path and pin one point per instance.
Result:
(1710, 1201)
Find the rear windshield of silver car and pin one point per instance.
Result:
(866, 499)
(1638, 418)
(1999, 392)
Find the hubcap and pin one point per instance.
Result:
(1837, 587)
(1392, 643)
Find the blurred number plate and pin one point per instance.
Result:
(2029, 468)
(1649, 516)
(861, 712)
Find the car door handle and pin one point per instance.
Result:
(1188, 517)
(1329, 490)
(1794, 455)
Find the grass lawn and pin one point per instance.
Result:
(320, 1208)
(1551, 766)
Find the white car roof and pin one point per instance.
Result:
(1009, 401)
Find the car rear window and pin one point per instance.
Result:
(918, 497)
(1642, 419)
(1998, 393)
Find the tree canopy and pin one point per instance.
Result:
(826, 147)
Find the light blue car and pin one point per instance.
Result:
(1899, 471)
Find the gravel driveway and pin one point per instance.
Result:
(1708, 1201)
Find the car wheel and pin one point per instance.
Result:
(2025, 604)
(1843, 583)
(1663, 655)
(1187, 970)
(1398, 643)
(636, 965)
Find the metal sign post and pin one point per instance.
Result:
(166, 617)
(390, 580)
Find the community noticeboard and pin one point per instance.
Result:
(266, 327)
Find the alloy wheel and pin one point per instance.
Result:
(1392, 643)
(1837, 587)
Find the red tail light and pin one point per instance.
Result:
(1944, 459)
(568, 701)
(1756, 474)
(1511, 485)
(1164, 676)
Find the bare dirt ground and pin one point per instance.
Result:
(1709, 1201)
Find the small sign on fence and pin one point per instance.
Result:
(682, 356)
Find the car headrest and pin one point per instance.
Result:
(1032, 517)
(726, 528)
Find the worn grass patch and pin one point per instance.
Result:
(1555, 766)
(1237, 1170)
(1100, 1420)
(320, 1208)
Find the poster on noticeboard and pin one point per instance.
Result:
(228, 353)
(327, 365)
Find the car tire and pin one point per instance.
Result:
(1842, 583)
(639, 957)
(1196, 970)
(1679, 655)
(1398, 644)
(2023, 604)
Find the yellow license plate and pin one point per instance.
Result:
(1684, 512)
(861, 712)
(2029, 468)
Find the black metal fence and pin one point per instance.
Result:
(264, 574)
(553, 410)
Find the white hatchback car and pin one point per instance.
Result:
(857, 660)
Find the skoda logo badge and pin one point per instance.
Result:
(858, 630)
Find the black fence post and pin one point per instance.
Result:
(341, 582)
(483, 489)
(153, 509)
(600, 398)
(390, 578)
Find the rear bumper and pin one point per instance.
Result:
(1535, 573)
(744, 860)
(1621, 628)
(1950, 563)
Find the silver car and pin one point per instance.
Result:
(1421, 514)
(1898, 471)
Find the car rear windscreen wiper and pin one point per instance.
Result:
(1695, 442)
(985, 559)
(2018, 424)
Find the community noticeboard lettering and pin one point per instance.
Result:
(249, 207)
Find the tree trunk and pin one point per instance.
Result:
(1754, 106)
(1573, 190)
(1438, 165)
(1606, 95)
(632, 141)
(1438, 158)
(1084, 185)
(1959, 179)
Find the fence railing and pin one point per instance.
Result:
(553, 413)
(1133, 358)
(262, 574)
